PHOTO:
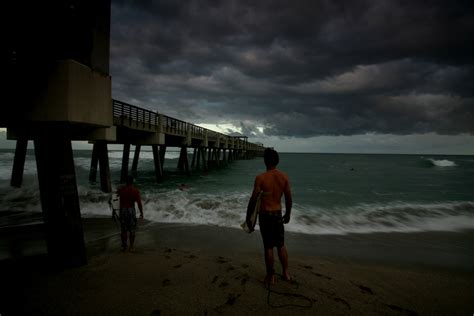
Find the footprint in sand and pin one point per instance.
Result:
(223, 284)
(177, 266)
(364, 289)
(322, 275)
(315, 273)
(214, 279)
(402, 310)
(333, 296)
(327, 293)
(166, 282)
(340, 300)
(230, 301)
(243, 278)
(221, 260)
(232, 298)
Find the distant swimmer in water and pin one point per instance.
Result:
(183, 187)
(274, 185)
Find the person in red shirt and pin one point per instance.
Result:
(129, 195)
(274, 184)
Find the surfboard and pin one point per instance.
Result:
(253, 215)
(114, 203)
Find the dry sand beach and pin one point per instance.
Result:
(206, 270)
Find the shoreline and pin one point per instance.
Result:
(203, 270)
(450, 250)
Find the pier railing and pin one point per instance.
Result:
(132, 116)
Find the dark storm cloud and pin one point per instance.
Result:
(300, 68)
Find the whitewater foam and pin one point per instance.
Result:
(229, 211)
(326, 205)
(442, 163)
(398, 217)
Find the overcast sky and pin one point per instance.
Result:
(305, 76)
(340, 76)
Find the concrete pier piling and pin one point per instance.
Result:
(217, 153)
(60, 202)
(197, 155)
(162, 155)
(94, 164)
(125, 162)
(203, 156)
(136, 157)
(103, 155)
(224, 159)
(19, 163)
(158, 163)
(100, 158)
(193, 163)
(183, 161)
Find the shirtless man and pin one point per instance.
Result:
(274, 184)
(128, 215)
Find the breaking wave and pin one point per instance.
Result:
(228, 210)
(205, 203)
(398, 217)
(441, 163)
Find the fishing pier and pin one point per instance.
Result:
(141, 127)
(62, 93)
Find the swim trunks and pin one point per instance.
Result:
(272, 230)
(128, 219)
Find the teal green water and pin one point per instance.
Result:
(333, 193)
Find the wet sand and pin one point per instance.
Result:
(183, 269)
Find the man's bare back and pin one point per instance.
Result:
(274, 184)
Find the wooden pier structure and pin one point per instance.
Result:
(132, 125)
(142, 127)
(59, 90)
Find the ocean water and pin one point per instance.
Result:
(332, 193)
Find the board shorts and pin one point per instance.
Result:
(272, 230)
(128, 219)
